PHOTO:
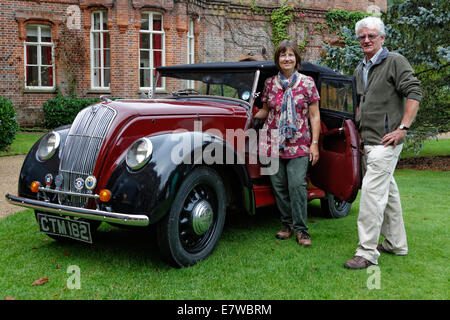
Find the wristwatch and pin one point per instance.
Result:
(315, 142)
(403, 127)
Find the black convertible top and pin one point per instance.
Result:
(266, 67)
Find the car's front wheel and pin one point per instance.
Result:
(192, 228)
(334, 208)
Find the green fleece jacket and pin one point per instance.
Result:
(390, 82)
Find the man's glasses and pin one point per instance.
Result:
(371, 37)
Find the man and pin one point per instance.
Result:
(384, 80)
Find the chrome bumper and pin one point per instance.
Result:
(99, 215)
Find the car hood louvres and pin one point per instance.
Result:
(81, 149)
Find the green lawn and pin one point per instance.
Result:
(249, 263)
(22, 143)
(431, 148)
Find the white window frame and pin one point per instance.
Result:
(190, 50)
(151, 67)
(39, 44)
(101, 68)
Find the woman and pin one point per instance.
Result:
(290, 104)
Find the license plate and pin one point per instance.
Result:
(74, 229)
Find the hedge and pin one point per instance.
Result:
(8, 123)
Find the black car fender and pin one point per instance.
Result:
(151, 189)
(34, 169)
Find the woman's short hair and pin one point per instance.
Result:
(371, 23)
(282, 47)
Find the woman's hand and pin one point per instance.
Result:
(314, 153)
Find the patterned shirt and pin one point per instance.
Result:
(305, 93)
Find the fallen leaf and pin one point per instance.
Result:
(314, 267)
(9, 298)
(58, 266)
(33, 249)
(66, 253)
(40, 281)
(425, 218)
(64, 288)
(312, 221)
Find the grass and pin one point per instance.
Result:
(248, 263)
(431, 148)
(22, 143)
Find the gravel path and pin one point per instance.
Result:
(9, 177)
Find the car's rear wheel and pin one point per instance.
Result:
(333, 207)
(192, 228)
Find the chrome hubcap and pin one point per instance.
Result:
(202, 217)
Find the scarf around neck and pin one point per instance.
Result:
(287, 122)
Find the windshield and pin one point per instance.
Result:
(236, 85)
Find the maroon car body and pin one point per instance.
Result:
(179, 161)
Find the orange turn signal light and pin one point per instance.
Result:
(35, 186)
(105, 195)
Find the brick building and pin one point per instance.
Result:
(98, 47)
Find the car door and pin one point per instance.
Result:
(338, 170)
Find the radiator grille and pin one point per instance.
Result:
(81, 149)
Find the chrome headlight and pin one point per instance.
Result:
(48, 146)
(139, 153)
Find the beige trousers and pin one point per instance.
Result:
(380, 210)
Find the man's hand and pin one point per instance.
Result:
(393, 137)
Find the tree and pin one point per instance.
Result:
(417, 29)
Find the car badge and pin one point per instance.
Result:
(48, 179)
(79, 184)
(90, 182)
(58, 180)
(94, 109)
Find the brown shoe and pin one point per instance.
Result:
(358, 263)
(380, 248)
(285, 233)
(303, 239)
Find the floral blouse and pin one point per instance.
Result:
(305, 93)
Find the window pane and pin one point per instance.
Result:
(157, 41)
(144, 76)
(105, 40)
(96, 24)
(46, 34)
(96, 40)
(107, 77)
(106, 58)
(157, 59)
(32, 33)
(31, 54)
(145, 59)
(145, 41)
(157, 22)
(46, 55)
(144, 22)
(159, 84)
(47, 77)
(32, 76)
(97, 58)
(105, 20)
(97, 78)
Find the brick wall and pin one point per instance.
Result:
(224, 31)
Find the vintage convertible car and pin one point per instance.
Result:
(179, 159)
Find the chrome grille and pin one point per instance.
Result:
(81, 149)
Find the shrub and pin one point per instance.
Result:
(8, 123)
(61, 110)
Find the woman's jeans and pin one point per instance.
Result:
(289, 186)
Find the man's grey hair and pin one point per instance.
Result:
(371, 23)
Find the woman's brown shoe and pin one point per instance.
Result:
(285, 233)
